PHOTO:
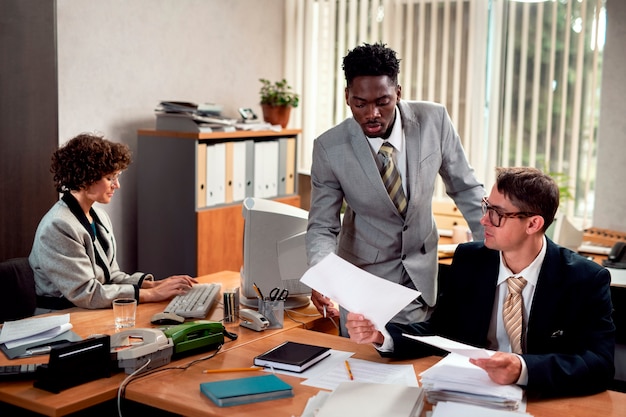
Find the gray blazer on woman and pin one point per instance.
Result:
(71, 262)
(374, 236)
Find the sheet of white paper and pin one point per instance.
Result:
(453, 346)
(364, 371)
(20, 332)
(358, 291)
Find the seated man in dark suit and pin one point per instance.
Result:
(560, 340)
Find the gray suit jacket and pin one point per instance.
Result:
(374, 236)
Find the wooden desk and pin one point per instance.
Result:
(178, 391)
(89, 322)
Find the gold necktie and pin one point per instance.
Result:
(391, 178)
(512, 313)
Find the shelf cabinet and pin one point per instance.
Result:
(178, 233)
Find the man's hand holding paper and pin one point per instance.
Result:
(358, 291)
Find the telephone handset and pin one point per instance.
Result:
(197, 335)
(617, 256)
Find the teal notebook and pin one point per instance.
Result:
(246, 390)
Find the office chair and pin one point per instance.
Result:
(17, 298)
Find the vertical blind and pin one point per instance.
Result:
(520, 80)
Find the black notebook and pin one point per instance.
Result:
(292, 356)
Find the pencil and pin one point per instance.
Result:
(215, 371)
(349, 371)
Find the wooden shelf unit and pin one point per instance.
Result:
(175, 235)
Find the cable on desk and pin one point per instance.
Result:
(121, 393)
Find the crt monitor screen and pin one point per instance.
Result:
(274, 252)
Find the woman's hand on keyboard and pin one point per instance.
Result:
(166, 288)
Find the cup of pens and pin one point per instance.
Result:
(273, 311)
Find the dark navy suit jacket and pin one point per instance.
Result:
(570, 340)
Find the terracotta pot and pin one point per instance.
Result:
(276, 115)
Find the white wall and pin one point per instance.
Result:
(117, 59)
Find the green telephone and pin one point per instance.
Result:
(200, 335)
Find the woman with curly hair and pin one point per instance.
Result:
(74, 252)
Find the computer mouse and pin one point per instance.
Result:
(166, 318)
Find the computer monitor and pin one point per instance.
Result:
(564, 233)
(274, 252)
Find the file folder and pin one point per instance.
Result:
(249, 171)
(215, 174)
(239, 170)
(228, 179)
(201, 172)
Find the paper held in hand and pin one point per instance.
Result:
(354, 289)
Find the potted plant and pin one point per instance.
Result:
(277, 99)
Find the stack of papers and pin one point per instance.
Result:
(454, 378)
(22, 332)
(451, 409)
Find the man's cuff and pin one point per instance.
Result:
(523, 376)
(387, 345)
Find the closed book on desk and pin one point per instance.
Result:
(246, 390)
(365, 399)
(292, 356)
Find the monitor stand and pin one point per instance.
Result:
(290, 303)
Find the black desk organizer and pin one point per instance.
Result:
(75, 363)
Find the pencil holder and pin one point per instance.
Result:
(274, 312)
(231, 305)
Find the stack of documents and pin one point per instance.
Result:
(19, 337)
(454, 378)
(451, 409)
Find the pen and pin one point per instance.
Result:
(215, 371)
(258, 291)
(349, 371)
(42, 350)
(324, 310)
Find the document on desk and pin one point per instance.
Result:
(354, 289)
(453, 346)
(364, 371)
(38, 329)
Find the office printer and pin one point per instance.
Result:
(132, 349)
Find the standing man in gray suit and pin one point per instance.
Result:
(395, 241)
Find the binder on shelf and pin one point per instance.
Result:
(266, 169)
(215, 174)
(201, 180)
(249, 171)
(271, 168)
(259, 170)
(286, 166)
(239, 170)
(282, 166)
(228, 182)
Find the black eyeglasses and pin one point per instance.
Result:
(495, 216)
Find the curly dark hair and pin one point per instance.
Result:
(85, 159)
(530, 190)
(366, 59)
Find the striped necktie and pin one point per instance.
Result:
(391, 178)
(512, 313)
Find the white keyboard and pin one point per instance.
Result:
(196, 303)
